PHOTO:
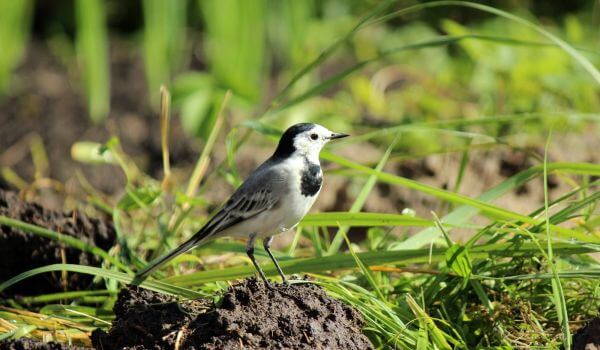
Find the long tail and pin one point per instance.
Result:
(141, 275)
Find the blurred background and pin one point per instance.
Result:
(76, 71)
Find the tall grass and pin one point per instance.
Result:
(92, 56)
(15, 18)
(288, 29)
(557, 288)
(235, 44)
(164, 43)
(91, 46)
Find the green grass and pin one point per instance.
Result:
(515, 279)
(92, 56)
(15, 18)
(235, 42)
(163, 43)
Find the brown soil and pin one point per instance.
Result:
(250, 315)
(588, 338)
(21, 251)
(30, 344)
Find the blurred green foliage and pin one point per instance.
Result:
(235, 43)
(92, 55)
(164, 42)
(15, 17)
(396, 70)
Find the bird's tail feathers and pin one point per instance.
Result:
(141, 275)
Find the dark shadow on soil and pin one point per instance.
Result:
(21, 251)
(588, 337)
(250, 315)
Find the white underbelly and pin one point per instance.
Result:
(286, 214)
(284, 217)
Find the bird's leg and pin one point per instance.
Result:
(267, 245)
(250, 252)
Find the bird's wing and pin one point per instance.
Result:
(260, 192)
(238, 209)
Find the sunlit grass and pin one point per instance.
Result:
(164, 43)
(15, 17)
(92, 56)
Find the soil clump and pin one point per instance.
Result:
(22, 251)
(249, 315)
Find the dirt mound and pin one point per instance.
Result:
(588, 338)
(30, 344)
(250, 315)
(147, 320)
(23, 251)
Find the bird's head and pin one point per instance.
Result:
(305, 139)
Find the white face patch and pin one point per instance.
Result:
(311, 142)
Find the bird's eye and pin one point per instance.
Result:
(314, 136)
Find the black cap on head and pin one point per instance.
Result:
(286, 143)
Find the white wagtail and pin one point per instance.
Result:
(273, 199)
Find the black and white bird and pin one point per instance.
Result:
(272, 200)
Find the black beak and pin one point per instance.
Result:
(337, 136)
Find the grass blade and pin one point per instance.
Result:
(92, 53)
(203, 161)
(557, 290)
(464, 213)
(164, 40)
(363, 219)
(567, 48)
(325, 54)
(360, 199)
(108, 274)
(345, 261)
(15, 18)
(484, 207)
(437, 336)
(68, 240)
(435, 42)
(165, 120)
(365, 271)
(236, 43)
